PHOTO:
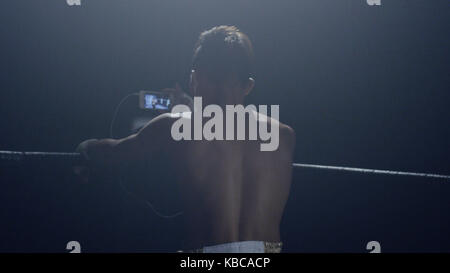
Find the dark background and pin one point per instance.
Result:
(363, 86)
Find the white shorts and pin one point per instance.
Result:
(242, 247)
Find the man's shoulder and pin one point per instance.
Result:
(159, 127)
(167, 119)
(287, 137)
(286, 131)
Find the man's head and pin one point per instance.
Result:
(222, 65)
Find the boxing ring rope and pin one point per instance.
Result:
(15, 156)
(369, 171)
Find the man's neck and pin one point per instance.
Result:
(223, 97)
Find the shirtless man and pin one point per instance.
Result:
(233, 194)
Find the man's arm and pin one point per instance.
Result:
(110, 154)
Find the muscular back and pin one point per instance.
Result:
(231, 191)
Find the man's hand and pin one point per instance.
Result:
(179, 96)
(82, 171)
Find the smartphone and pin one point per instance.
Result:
(155, 101)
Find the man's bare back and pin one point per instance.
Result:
(231, 190)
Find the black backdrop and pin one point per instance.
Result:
(364, 86)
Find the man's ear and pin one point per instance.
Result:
(193, 84)
(249, 86)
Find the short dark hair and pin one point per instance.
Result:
(224, 53)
